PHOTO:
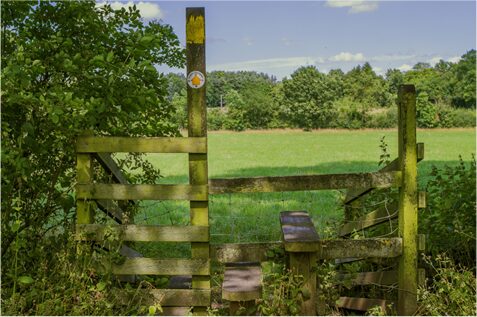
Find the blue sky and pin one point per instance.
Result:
(277, 37)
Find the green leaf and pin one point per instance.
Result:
(152, 310)
(16, 225)
(146, 40)
(109, 57)
(24, 279)
(101, 286)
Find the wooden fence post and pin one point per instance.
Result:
(197, 127)
(84, 175)
(408, 195)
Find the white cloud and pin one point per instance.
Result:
(148, 10)
(434, 60)
(355, 6)
(347, 57)
(454, 59)
(404, 67)
(392, 58)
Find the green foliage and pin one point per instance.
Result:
(463, 81)
(426, 112)
(451, 292)
(282, 291)
(68, 67)
(449, 218)
(307, 98)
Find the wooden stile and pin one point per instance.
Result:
(369, 220)
(146, 266)
(363, 304)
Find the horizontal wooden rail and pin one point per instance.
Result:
(358, 192)
(350, 248)
(361, 248)
(146, 266)
(371, 219)
(141, 192)
(242, 252)
(377, 278)
(303, 182)
(95, 144)
(363, 304)
(144, 233)
(168, 297)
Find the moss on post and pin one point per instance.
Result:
(408, 201)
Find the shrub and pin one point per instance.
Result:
(452, 291)
(449, 218)
(426, 112)
(216, 118)
(384, 118)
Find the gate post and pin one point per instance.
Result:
(197, 127)
(408, 195)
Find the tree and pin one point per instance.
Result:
(307, 98)
(69, 67)
(463, 82)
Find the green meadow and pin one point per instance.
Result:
(254, 217)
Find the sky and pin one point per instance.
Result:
(277, 37)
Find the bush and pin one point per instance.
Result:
(384, 118)
(452, 291)
(449, 218)
(426, 112)
(456, 118)
(216, 118)
(348, 114)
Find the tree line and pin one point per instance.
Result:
(311, 99)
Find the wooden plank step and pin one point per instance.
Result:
(380, 215)
(304, 182)
(150, 266)
(242, 283)
(141, 192)
(298, 232)
(176, 311)
(363, 304)
(95, 144)
(144, 233)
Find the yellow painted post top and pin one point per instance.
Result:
(195, 29)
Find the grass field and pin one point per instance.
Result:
(254, 217)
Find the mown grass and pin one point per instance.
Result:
(254, 217)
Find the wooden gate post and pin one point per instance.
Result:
(408, 201)
(197, 127)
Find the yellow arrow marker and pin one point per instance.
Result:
(196, 80)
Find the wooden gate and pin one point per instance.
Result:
(105, 195)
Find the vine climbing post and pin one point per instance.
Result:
(197, 127)
(408, 201)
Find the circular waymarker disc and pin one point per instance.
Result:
(195, 79)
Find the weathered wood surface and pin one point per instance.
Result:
(363, 304)
(408, 201)
(197, 128)
(146, 266)
(175, 311)
(304, 264)
(422, 200)
(170, 297)
(107, 162)
(298, 232)
(377, 278)
(380, 215)
(152, 233)
(142, 192)
(421, 242)
(84, 175)
(356, 193)
(242, 283)
(95, 144)
(303, 182)
(359, 248)
(242, 252)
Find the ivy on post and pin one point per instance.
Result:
(408, 201)
(197, 127)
